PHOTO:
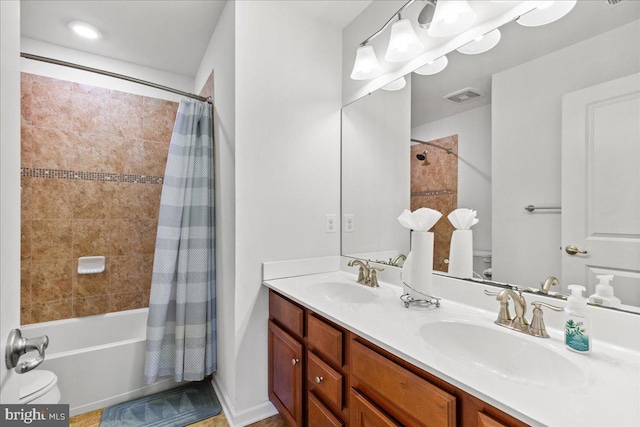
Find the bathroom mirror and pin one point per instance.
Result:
(506, 149)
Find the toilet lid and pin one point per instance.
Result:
(36, 383)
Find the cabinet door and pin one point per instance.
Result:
(285, 374)
(366, 414)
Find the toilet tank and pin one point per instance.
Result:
(482, 264)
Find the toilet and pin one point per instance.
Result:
(482, 264)
(39, 387)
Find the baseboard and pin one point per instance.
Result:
(244, 417)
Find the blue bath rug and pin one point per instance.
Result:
(176, 407)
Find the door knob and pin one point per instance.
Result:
(319, 380)
(295, 361)
(17, 346)
(573, 249)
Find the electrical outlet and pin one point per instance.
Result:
(330, 223)
(349, 223)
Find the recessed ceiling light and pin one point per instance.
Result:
(85, 30)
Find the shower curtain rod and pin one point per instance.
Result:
(448, 150)
(115, 75)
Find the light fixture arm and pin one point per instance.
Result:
(384, 27)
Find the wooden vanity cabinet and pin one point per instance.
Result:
(286, 358)
(321, 375)
(310, 392)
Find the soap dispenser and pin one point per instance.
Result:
(604, 293)
(577, 327)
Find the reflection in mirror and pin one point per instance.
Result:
(544, 92)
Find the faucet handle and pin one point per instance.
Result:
(373, 276)
(537, 323)
(491, 294)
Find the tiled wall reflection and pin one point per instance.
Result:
(69, 130)
(434, 184)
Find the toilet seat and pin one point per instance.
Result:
(39, 387)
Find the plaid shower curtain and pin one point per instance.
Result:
(181, 327)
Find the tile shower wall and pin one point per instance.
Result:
(92, 166)
(434, 184)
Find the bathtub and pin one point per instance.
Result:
(99, 360)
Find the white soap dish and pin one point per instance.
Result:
(91, 264)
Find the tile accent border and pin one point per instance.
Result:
(88, 176)
(431, 193)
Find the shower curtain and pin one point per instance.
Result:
(181, 327)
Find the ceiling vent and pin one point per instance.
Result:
(614, 2)
(463, 96)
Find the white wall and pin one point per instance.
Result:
(220, 57)
(473, 128)
(527, 104)
(288, 93)
(9, 185)
(376, 175)
(277, 96)
(164, 78)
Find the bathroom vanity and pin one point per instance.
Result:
(342, 379)
(342, 354)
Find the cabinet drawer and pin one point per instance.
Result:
(286, 314)
(325, 339)
(366, 414)
(319, 416)
(425, 403)
(485, 420)
(324, 381)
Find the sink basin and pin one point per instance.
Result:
(343, 292)
(502, 353)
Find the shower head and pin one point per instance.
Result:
(426, 14)
(422, 156)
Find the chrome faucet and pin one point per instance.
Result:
(367, 274)
(551, 281)
(396, 261)
(519, 323)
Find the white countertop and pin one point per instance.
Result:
(608, 395)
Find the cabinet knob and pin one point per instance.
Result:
(319, 380)
(295, 361)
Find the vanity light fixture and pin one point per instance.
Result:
(433, 67)
(366, 65)
(481, 43)
(84, 30)
(426, 14)
(451, 17)
(395, 85)
(403, 43)
(444, 18)
(546, 12)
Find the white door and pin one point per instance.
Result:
(9, 187)
(601, 186)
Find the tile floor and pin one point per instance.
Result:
(92, 419)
